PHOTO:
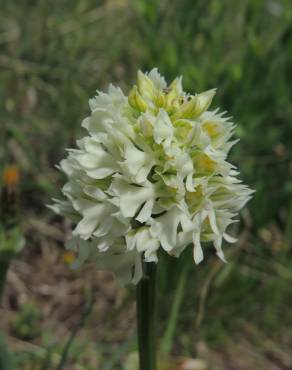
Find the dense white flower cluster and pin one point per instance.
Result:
(151, 173)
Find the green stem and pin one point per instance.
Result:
(5, 356)
(146, 317)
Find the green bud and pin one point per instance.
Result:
(160, 99)
(145, 86)
(195, 106)
(173, 93)
(136, 101)
(204, 101)
(186, 110)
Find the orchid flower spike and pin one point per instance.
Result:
(151, 173)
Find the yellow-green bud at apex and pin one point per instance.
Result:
(145, 86)
(136, 100)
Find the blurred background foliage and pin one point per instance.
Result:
(54, 55)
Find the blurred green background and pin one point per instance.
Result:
(53, 56)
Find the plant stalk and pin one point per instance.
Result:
(146, 317)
